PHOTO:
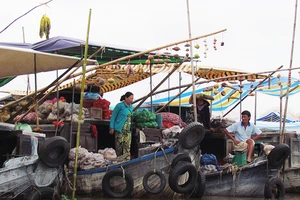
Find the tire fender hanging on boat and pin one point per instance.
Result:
(181, 168)
(200, 185)
(43, 193)
(181, 157)
(54, 151)
(191, 136)
(108, 189)
(278, 155)
(274, 185)
(162, 185)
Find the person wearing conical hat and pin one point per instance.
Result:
(203, 113)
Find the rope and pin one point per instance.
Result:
(69, 183)
(154, 170)
(123, 170)
(165, 155)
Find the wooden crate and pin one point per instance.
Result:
(87, 140)
(96, 113)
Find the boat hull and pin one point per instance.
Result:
(90, 182)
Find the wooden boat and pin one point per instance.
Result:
(149, 174)
(35, 176)
(91, 181)
(279, 170)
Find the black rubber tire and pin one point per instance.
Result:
(200, 185)
(43, 193)
(191, 136)
(162, 185)
(277, 156)
(179, 169)
(180, 157)
(54, 151)
(108, 190)
(274, 184)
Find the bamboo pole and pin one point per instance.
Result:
(192, 67)
(280, 109)
(210, 80)
(80, 106)
(49, 91)
(291, 90)
(157, 86)
(59, 80)
(289, 76)
(148, 51)
(180, 94)
(252, 90)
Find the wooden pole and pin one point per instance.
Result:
(252, 90)
(179, 94)
(40, 96)
(59, 80)
(280, 110)
(155, 88)
(192, 63)
(289, 76)
(148, 51)
(210, 80)
(80, 106)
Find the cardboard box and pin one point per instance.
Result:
(95, 113)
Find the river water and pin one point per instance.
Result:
(287, 197)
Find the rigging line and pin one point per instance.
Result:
(24, 15)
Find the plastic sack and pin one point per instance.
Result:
(24, 127)
(208, 159)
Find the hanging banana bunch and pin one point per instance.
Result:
(45, 26)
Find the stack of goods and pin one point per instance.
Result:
(218, 123)
(170, 136)
(89, 98)
(89, 160)
(145, 119)
(104, 105)
(53, 110)
(4, 115)
(209, 163)
(171, 119)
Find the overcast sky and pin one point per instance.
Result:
(258, 36)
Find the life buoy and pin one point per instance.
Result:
(181, 168)
(278, 155)
(200, 185)
(181, 157)
(108, 189)
(54, 151)
(43, 193)
(274, 188)
(162, 181)
(191, 136)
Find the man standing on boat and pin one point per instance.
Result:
(203, 110)
(243, 132)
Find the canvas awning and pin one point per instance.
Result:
(19, 61)
(75, 47)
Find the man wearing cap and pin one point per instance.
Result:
(203, 112)
(243, 132)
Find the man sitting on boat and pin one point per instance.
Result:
(243, 132)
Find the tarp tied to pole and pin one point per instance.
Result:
(231, 97)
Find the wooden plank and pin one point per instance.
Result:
(295, 154)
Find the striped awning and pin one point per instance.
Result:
(117, 76)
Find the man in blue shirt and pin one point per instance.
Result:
(245, 134)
